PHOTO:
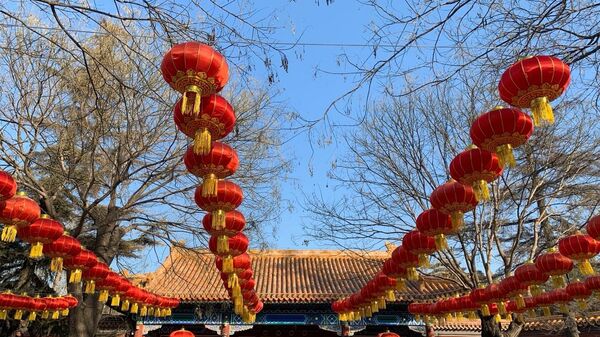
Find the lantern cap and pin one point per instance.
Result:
(21, 193)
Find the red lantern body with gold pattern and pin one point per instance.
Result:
(593, 227)
(221, 162)
(240, 264)
(530, 276)
(579, 292)
(438, 224)
(512, 288)
(581, 248)
(215, 121)
(480, 297)
(562, 298)
(228, 246)
(555, 265)
(593, 283)
(234, 223)
(544, 300)
(420, 245)
(8, 186)
(18, 211)
(107, 285)
(40, 232)
(60, 249)
(99, 271)
(407, 260)
(78, 263)
(476, 168)
(532, 83)
(500, 131)
(229, 197)
(454, 199)
(395, 271)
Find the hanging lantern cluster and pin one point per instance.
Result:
(21, 218)
(199, 72)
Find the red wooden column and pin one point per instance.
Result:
(225, 330)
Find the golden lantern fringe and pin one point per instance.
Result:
(485, 310)
(506, 155)
(412, 274)
(125, 305)
(535, 290)
(209, 185)
(582, 304)
(252, 318)
(501, 308)
(417, 317)
(134, 308)
(509, 317)
(381, 303)
(424, 261)
(144, 311)
(75, 276)
(531, 313)
(236, 291)
(202, 142)
(361, 313)
(520, 301)
(546, 311)
(232, 280)
(45, 314)
(150, 311)
(65, 312)
(168, 312)
(542, 111)
(448, 317)
(195, 108)
(390, 295)
(115, 300)
(374, 307)
(368, 312)
(342, 316)
(350, 316)
(223, 244)
(3, 313)
(564, 308)
(56, 264)
(228, 264)
(32, 316)
(458, 220)
(400, 284)
(90, 287)
(440, 242)
(497, 318)
(55, 315)
(238, 305)
(36, 250)
(471, 315)
(218, 219)
(103, 297)
(585, 267)
(482, 192)
(9, 233)
(558, 281)
(18, 314)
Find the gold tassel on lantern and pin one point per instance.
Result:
(485, 310)
(481, 190)
(36, 250)
(506, 155)
(134, 308)
(400, 284)
(150, 311)
(194, 91)
(472, 315)
(3, 314)
(564, 308)
(45, 314)
(65, 312)
(458, 220)
(103, 297)
(381, 303)
(9, 234)
(238, 305)
(18, 314)
(390, 295)
(56, 264)
(228, 264)
(497, 318)
(374, 307)
(546, 311)
(232, 280)
(209, 185)
(541, 111)
(520, 301)
(222, 244)
(115, 300)
(501, 308)
(202, 141)
(55, 315)
(125, 305)
(558, 281)
(424, 261)
(368, 312)
(32, 316)
(144, 311)
(75, 276)
(585, 267)
(582, 304)
(218, 219)
(535, 290)
(236, 291)
(440, 242)
(90, 287)
(412, 274)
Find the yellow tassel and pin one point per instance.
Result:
(232, 280)
(542, 111)
(381, 303)
(55, 315)
(374, 307)
(168, 312)
(9, 233)
(535, 290)
(2, 314)
(531, 313)
(65, 312)
(582, 305)
(509, 318)
(424, 261)
(350, 316)
(558, 281)
(440, 242)
(134, 308)
(390, 295)
(125, 305)
(18, 314)
(400, 284)
(485, 310)
(520, 301)
(418, 318)
(236, 291)
(501, 308)
(36, 250)
(252, 318)
(202, 142)
(546, 311)
(143, 311)
(458, 221)
(209, 185)
(471, 315)
(238, 305)
(90, 287)
(506, 155)
(32, 316)
(585, 267)
(564, 308)
(56, 265)
(368, 312)
(228, 264)
(497, 318)
(115, 300)
(218, 219)
(45, 314)
(412, 274)
(482, 192)
(103, 297)
(222, 244)
(150, 311)
(75, 276)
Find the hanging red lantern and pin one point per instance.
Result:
(234, 223)
(562, 298)
(386, 286)
(593, 227)
(593, 283)
(107, 285)
(228, 198)
(120, 288)
(388, 334)
(395, 271)
(7, 302)
(533, 83)
(438, 224)
(78, 263)
(454, 199)
(530, 276)
(220, 162)
(98, 272)
(60, 249)
(555, 265)
(71, 302)
(36, 307)
(544, 300)
(130, 299)
(420, 245)
(54, 306)
(476, 168)
(240, 264)
(480, 297)
(581, 248)
(228, 246)
(18, 211)
(579, 292)
(40, 232)
(512, 288)
(497, 294)
(182, 333)
(8, 186)
(467, 306)
(407, 260)
(500, 131)
(216, 120)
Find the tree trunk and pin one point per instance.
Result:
(489, 327)
(571, 328)
(84, 319)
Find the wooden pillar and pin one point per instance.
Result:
(345, 330)
(225, 330)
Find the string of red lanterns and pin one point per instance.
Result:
(22, 218)
(199, 72)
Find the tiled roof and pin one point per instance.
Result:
(291, 276)
(552, 323)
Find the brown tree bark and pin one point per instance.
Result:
(571, 328)
(489, 327)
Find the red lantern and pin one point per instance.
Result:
(220, 162)
(98, 272)
(480, 297)
(228, 246)
(500, 131)
(581, 248)
(71, 302)
(512, 288)
(62, 248)
(593, 227)
(593, 283)
(454, 199)
(395, 271)
(240, 264)
(476, 168)
(533, 83)
(407, 260)
(579, 292)
(435, 223)
(8, 186)
(530, 276)
(182, 333)
(18, 211)
(555, 265)
(544, 300)
(7, 302)
(234, 223)
(107, 285)
(562, 298)
(228, 198)
(420, 245)
(36, 306)
(497, 294)
(388, 334)
(78, 263)
(120, 289)
(216, 120)
(40, 232)
(196, 70)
